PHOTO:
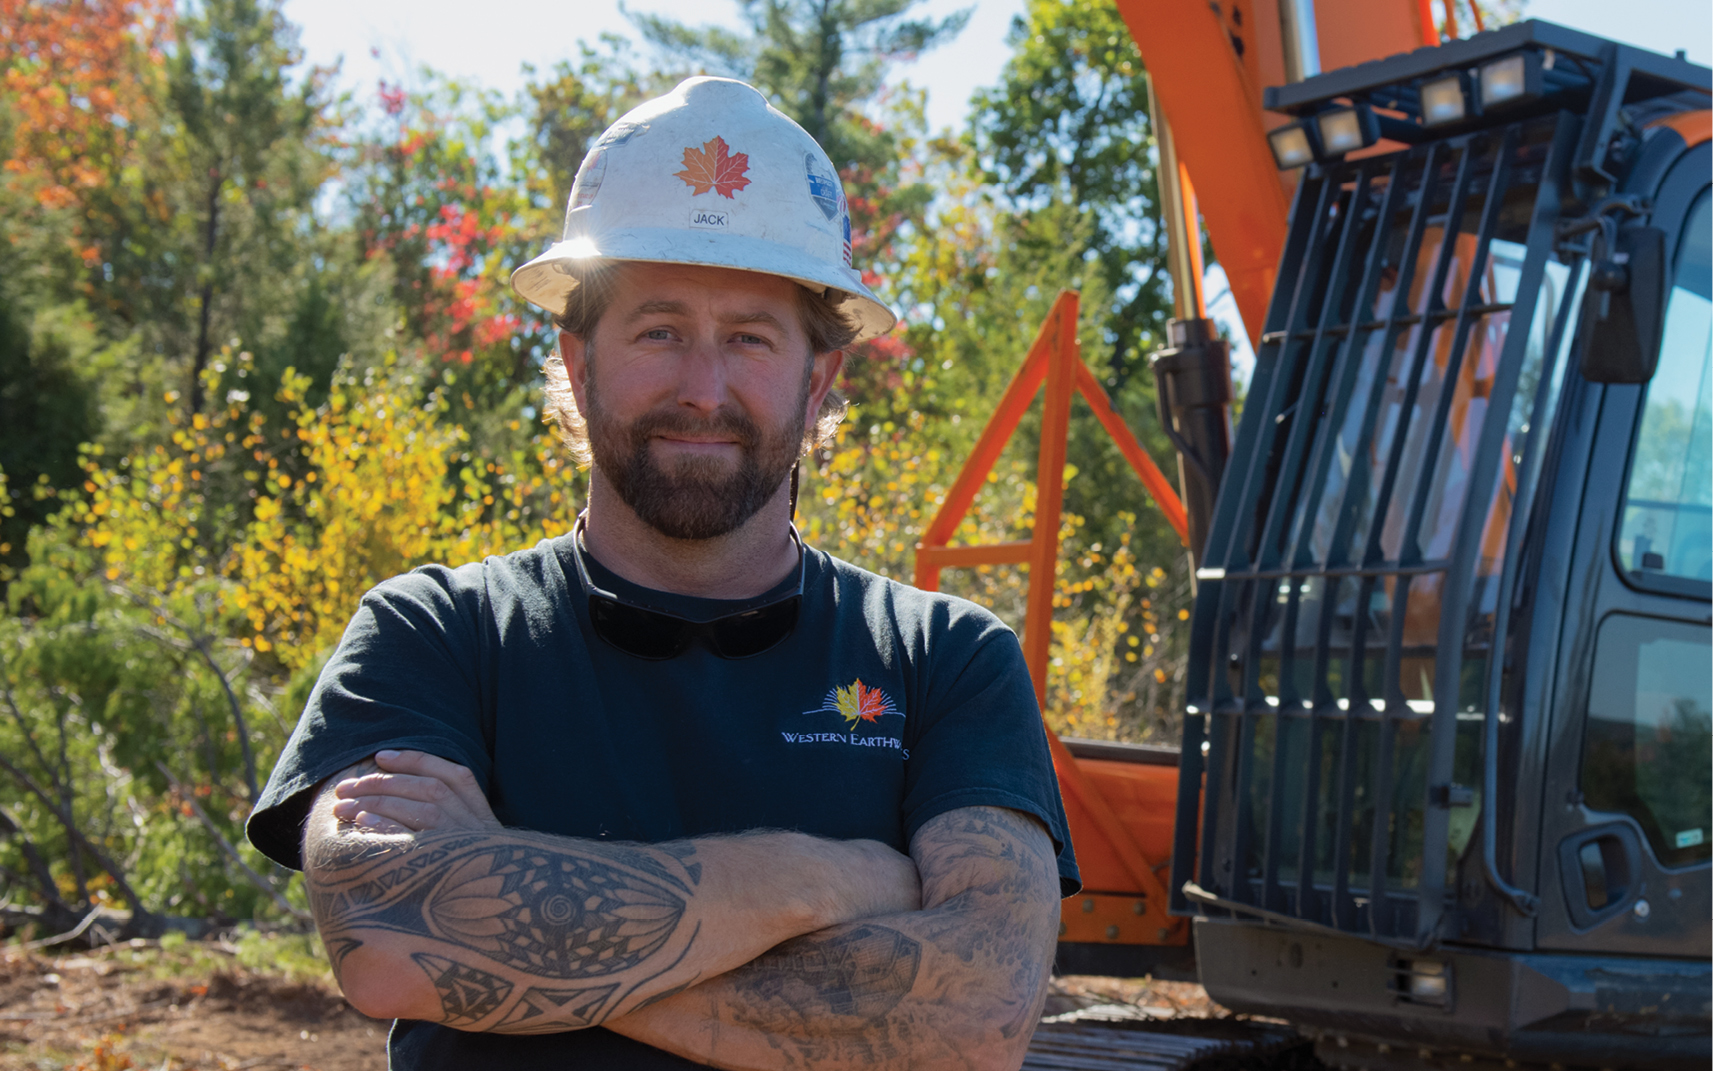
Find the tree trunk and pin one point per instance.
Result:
(61, 773)
(829, 31)
(203, 343)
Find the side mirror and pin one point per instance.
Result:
(1623, 312)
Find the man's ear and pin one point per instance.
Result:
(575, 353)
(821, 380)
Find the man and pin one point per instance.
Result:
(674, 790)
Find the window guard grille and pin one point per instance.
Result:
(1341, 645)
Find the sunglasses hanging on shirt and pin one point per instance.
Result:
(655, 634)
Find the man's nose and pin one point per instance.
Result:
(702, 376)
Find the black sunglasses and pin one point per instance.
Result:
(656, 635)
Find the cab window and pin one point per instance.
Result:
(1647, 749)
(1667, 525)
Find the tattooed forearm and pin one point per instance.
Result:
(467, 995)
(998, 851)
(494, 929)
(958, 984)
(858, 972)
(497, 923)
(553, 913)
(338, 948)
(546, 1010)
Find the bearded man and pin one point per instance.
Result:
(674, 790)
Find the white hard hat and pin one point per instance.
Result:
(708, 174)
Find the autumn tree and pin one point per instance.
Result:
(162, 171)
(821, 61)
(1065, 134)
(47, 410)
(76, 85)
(242, 129)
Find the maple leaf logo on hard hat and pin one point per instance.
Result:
(714, 167)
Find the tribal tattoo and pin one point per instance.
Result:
(542, 910)
(546, 1011)
(467, 995)
(553, 913)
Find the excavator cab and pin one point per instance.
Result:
(1444, 792)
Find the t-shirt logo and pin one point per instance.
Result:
(858, 704)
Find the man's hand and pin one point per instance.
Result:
(413, 792)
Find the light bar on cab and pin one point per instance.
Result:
(1292, 145)
(1445, 98)
(1513, 80)
(1347, 129)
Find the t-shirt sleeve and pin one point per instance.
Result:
(980, 741)
(403, 676)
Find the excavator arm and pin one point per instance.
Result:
(1210, 61)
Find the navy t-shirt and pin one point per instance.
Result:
(885, 707)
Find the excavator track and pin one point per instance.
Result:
(1117, 1037)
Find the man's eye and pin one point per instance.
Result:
(752, 340)
(659, 334)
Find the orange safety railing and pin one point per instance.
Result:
(1105, 842)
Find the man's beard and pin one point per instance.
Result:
(693, 497)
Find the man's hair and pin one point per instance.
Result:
(826, 325)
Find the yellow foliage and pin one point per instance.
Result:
(387, 488)
(380, 479)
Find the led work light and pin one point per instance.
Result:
(1511, 80)
(1428, 981)
(1345, 130)
(1444, 99)
(1292, 145)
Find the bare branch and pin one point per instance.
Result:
(231, 851)
(33, 857)
(69, 935)
(76, 835)
(18, 716)
(199, 644)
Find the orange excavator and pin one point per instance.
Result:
(1444, 793)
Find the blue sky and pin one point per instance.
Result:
(490, 47)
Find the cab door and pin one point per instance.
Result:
(1627, 835)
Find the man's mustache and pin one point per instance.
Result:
(723, 423)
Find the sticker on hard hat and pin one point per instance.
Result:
(714, 167)
(718, 219)
(589, 176)
(823, 188)
(619, 133)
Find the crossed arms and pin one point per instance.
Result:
(761, 950)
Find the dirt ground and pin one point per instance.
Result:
(199, 1009)
(215, 1007)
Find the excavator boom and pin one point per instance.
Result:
(1210, 64)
